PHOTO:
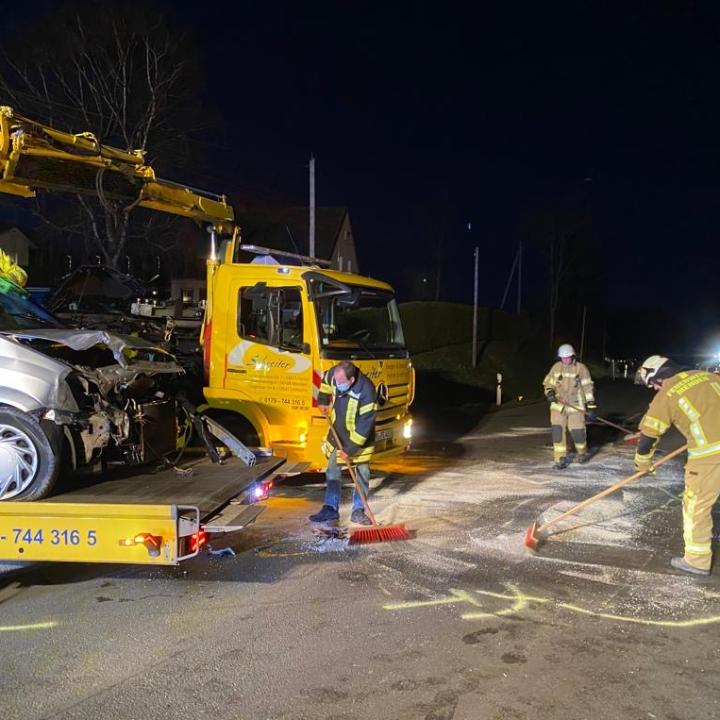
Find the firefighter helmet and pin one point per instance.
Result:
(566, 350)
(648, 372)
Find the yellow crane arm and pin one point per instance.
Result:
(37, 157)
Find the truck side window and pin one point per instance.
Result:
(273, 317)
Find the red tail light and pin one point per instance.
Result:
(207, 336)
(197, 540)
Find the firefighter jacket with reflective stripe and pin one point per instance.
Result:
(691, 402)
(572, 385)
(353, 415)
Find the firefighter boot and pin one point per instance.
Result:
(561, 464)
(679, 563)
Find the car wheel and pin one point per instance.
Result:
(28, 466)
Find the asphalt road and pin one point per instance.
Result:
(461, 622)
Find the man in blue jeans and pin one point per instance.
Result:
(348, 397)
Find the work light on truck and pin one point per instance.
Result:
(151, 542)
(407, 429)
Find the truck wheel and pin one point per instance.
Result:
(28, 466)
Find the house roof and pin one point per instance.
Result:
(11, 231)
(286, 227)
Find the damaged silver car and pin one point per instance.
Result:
(71, 397)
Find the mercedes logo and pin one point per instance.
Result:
(382, 394)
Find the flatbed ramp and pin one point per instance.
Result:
(208, 487)
(144, 518)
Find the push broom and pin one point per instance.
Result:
(532, 538)
(376, 533)
(630, 437)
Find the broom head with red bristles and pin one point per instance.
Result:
(379, 533)
(532, 539)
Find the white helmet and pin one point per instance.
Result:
(647, 372)
(566, 350)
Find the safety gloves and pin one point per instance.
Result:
(591, 411)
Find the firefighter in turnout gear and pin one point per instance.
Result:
(689, 400)
(569, 390)
(348, 397)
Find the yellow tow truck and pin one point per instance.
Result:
(273, 325)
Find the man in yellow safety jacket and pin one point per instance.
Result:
(352, 414)
(569, 390)
(689, 400)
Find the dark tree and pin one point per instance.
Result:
(121, 72)
(565, 240)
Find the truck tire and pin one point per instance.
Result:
(28, 466)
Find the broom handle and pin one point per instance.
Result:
(351, 468)
(611, 489)
(600, 419)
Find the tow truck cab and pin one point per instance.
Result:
(271, 332)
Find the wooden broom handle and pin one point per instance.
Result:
(600, 419)
(611, 489)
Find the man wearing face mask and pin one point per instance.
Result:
(348, 397)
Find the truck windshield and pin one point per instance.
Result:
(19, 312)
(370, 324)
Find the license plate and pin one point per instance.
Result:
(384, 435)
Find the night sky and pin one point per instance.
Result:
(491, 110)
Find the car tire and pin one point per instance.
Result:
(29, 466)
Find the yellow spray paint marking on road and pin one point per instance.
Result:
(22, 628)
(520, 601)
(455, 597)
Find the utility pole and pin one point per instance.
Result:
(312, 206)
(475, 311)
(582, 333)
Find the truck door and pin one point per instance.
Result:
(268, 353)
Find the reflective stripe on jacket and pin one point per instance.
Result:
(353, 416)
(572, 385)
(690, 401)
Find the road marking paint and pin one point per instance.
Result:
(520, 601)
(22, 628)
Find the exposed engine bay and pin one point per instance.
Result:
(115, 395)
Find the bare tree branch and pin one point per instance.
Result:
(118, 73)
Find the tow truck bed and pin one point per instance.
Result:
(140, 518)
(208, 488)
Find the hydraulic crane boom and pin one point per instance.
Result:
(37, 157)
